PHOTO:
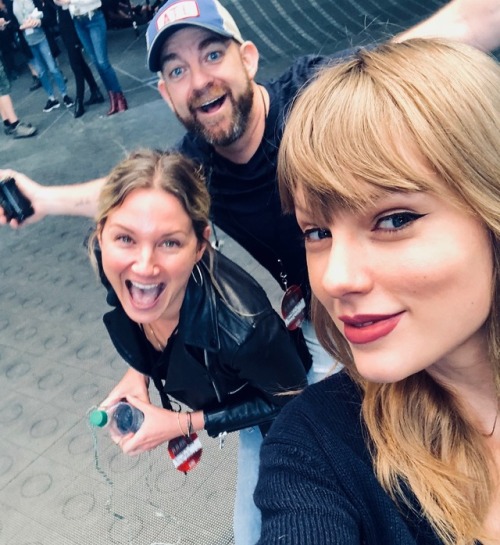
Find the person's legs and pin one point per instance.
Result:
(12, 125)
(98, 35)
(81, 27)
(247, 517)
(44, 50)
(41, 69)
(87, 73)
(7, 112)
(6, 107)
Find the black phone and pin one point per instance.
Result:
(15, 205)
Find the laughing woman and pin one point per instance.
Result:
(190, 319)
(391, 162)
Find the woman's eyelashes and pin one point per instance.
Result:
(127, 240)
(396, 221)
(124, 239)
(392, 222)
(316, 234)
(170, 243)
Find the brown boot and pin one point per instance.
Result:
(121, 102)
(113, 103)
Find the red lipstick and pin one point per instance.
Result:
(366, 328)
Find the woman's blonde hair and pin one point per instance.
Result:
(347, 139)
(150, 169)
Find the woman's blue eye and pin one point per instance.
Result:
(396, 221)
(124, 238)
(170, 243)
(315, 234)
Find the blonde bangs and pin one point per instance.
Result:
(368, 126)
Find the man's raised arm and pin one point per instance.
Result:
(475, 22)
(69, 200)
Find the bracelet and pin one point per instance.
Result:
(189, 424)
(179, 422)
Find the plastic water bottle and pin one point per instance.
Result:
(122, 418)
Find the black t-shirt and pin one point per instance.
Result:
(245, 198)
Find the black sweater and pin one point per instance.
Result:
(317, 484)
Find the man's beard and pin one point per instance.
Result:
(239, 122)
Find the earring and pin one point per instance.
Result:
(198, 281)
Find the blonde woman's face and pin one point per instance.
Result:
(149, 249)
(407, 281)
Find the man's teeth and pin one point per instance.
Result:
(210, 104)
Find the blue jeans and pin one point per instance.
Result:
(247, 518)
(93, 35)
(44, 64)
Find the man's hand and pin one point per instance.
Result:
(36, 193)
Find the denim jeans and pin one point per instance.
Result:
(247, 518)
(93, 35)
(44, 64)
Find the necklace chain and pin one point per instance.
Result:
(159, 344)
(156, 341)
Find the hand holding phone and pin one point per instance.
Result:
(14, 203)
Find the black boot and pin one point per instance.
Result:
(79, 109)
(95, 97)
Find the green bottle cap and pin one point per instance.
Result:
(98, 418)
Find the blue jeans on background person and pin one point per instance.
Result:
(247, 519)
(44, 64)
(92, 32)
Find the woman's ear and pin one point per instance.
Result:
(250, 57)
(206, 237)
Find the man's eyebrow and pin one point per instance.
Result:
(213, 39)
(168, 57)
(202, 45)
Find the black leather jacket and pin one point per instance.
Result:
(231, 356)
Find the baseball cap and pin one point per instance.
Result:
(209, 14)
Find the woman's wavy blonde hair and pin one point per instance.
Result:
(151, 169)
(342, 146)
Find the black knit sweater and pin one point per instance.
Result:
(317, 484)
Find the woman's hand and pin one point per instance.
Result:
(36, 193)
(30, 22)
(160, 425)
(132, 384)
